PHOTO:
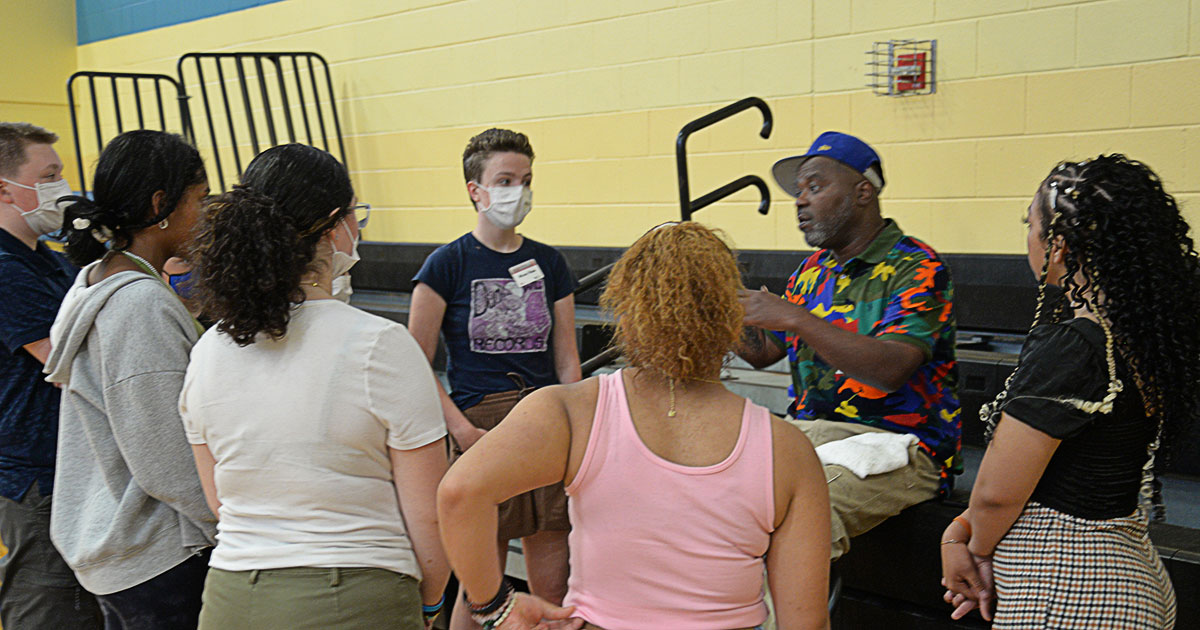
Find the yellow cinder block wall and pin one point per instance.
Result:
(38, 49)
(602, 88)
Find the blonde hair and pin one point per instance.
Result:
(674, 297)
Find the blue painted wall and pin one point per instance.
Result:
(104, 19)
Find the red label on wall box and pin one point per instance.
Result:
(910, 72)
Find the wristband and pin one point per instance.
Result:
(965, 523)
(432, 611)
(488, 610)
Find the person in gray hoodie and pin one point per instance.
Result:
(129, 514)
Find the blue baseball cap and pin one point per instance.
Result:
(842, 147)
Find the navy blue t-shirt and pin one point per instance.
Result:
(32, 286)
(492, 325)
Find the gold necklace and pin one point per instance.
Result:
(309, 288)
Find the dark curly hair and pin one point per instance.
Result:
(673, 295)
(1123, 233)
(257, 240)
(133, 167)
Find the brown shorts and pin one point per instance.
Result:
(540, 510)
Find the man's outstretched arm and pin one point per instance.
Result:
(756, 349)
(881, 363)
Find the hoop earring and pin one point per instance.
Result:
(162, 225)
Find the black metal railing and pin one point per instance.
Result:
(249, 101)
(689, 206)
(123, 111)
(278, 97)
(594, 279)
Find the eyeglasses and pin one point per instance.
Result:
(362, 213)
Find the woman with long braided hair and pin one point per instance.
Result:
(1104, 380)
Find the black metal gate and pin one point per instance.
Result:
(248, 102)
(144, 102)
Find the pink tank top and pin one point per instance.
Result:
(655, 544)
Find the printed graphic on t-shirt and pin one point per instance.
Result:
(506, 318)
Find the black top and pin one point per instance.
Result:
(1097, 470)
(496, 324)
(32, 285)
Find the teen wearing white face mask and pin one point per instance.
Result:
(344, 261)
(47, 217)
(505, 305)
(315, 426)
(508, 204)
(34, 190)
(37, 588)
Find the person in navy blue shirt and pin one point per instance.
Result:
(505, 306)
(37, 589)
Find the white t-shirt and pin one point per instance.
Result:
(300, 429)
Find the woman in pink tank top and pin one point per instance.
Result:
(681, 492)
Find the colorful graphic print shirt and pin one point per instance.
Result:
(493, 326)
(896, 289)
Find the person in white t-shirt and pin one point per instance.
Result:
(316, 427)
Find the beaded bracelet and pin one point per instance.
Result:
(508, 608)
(492, 609)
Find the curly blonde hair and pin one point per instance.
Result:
(674, 297)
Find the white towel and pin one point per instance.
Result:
(868, 453)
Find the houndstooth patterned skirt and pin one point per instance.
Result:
(1053, 570)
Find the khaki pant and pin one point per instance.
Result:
(858, 505)
(304, 597)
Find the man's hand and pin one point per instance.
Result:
(767, 310)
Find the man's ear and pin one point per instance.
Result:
(864, 192)
(6, 193)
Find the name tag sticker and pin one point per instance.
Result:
(526, 273)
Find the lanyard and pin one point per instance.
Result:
(144, 266)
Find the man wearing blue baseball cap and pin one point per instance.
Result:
(867, 325)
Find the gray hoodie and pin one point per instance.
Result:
(128, 504)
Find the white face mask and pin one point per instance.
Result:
(47, 217)
(509, 206)
(342, 289)
(342, 262)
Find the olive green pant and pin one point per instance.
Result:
(305, 597)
